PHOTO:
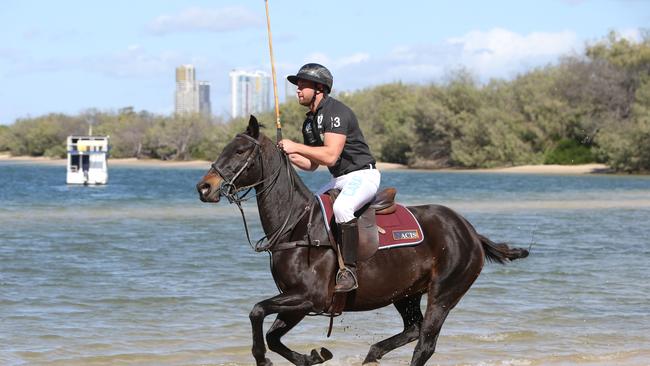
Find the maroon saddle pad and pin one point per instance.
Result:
(400, 228)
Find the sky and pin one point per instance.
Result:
(68, 56)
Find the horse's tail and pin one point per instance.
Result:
(501, 252)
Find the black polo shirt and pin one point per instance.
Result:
(335, 117)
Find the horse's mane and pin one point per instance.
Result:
(264, 139)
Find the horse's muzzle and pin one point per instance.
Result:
(209, 191)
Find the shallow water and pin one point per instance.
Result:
(140, 272)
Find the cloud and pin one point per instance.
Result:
(319, 58)
(408, 63)
(131, 62)
(348, 60)
(135, 62)
(574, 2)
(11, 55)
(496, 53)
(631, 34)
(38, 34)
(202, 19)
(357, 58)
(499, 52)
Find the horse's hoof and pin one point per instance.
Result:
(372, 359)
(321, 355)
(266, 362)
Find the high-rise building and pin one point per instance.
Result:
(205, 107)
(191, 96)
(250, 92)
(187, 93)
(289, 90)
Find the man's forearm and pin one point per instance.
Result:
(302, 162)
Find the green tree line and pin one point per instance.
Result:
(588, 108)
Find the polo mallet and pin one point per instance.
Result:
(278, 125)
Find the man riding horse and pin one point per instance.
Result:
(332, 137)
(441, 267)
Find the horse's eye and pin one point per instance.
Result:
(239, 152)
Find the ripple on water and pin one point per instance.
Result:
(134, 275)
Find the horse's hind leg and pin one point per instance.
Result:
(409, 309)
(283, 324)
(434, 317)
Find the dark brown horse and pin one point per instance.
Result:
(303, 266)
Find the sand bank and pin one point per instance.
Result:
(552, 169)
(527, 169)
(112, 162)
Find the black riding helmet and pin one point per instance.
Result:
(313, 72)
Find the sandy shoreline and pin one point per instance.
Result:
(552, 169)
(526, 169)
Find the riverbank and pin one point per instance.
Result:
(112, 162)
(524, 169)
(552, 169)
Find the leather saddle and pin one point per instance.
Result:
(382, 204)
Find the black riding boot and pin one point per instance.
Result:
(346, 279)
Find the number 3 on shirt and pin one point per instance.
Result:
(336, 122)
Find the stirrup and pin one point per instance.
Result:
(342, 272)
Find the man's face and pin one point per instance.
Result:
(305, 91)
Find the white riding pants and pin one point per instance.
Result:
(357, 189)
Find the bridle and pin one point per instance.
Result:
(229, 189)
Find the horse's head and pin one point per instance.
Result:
(237, 168)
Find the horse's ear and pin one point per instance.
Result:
(253, 129)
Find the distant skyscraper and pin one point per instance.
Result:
(289, 90)
(187, 93)
(250, 92)
(191, 96)
(205, 107)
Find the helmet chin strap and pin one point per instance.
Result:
(312, 105)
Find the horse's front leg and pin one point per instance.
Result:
(283, 324)
(282, 303)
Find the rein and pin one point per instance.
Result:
(229, 190)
